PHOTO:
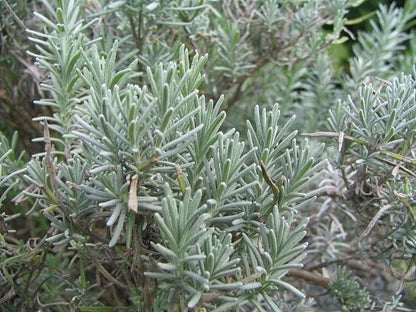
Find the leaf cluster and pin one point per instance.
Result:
(147, 197)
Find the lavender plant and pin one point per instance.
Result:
(171, 181)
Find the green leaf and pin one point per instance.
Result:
(152, 5)
(194, 300)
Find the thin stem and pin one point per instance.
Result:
(16, 18)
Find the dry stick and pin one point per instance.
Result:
(342, 148)
(296, 273)
(327, 263)
(46, 305)
(372, 223)
(240, 82)
(104, 271)
(316, 279)
(133, 201)
(395, 156)
(333, 135)
(8, 296)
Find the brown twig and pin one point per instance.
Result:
(240, 82)
(372, 223)
(104, 271)
(314, 278)
(398, 157)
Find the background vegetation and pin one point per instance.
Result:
(145, 164)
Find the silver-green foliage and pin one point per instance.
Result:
(142, 179)
(376, 138)
(376, 53)
(9, 165)
(152, 156)
(349, 291)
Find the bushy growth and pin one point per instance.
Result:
(210, 156)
